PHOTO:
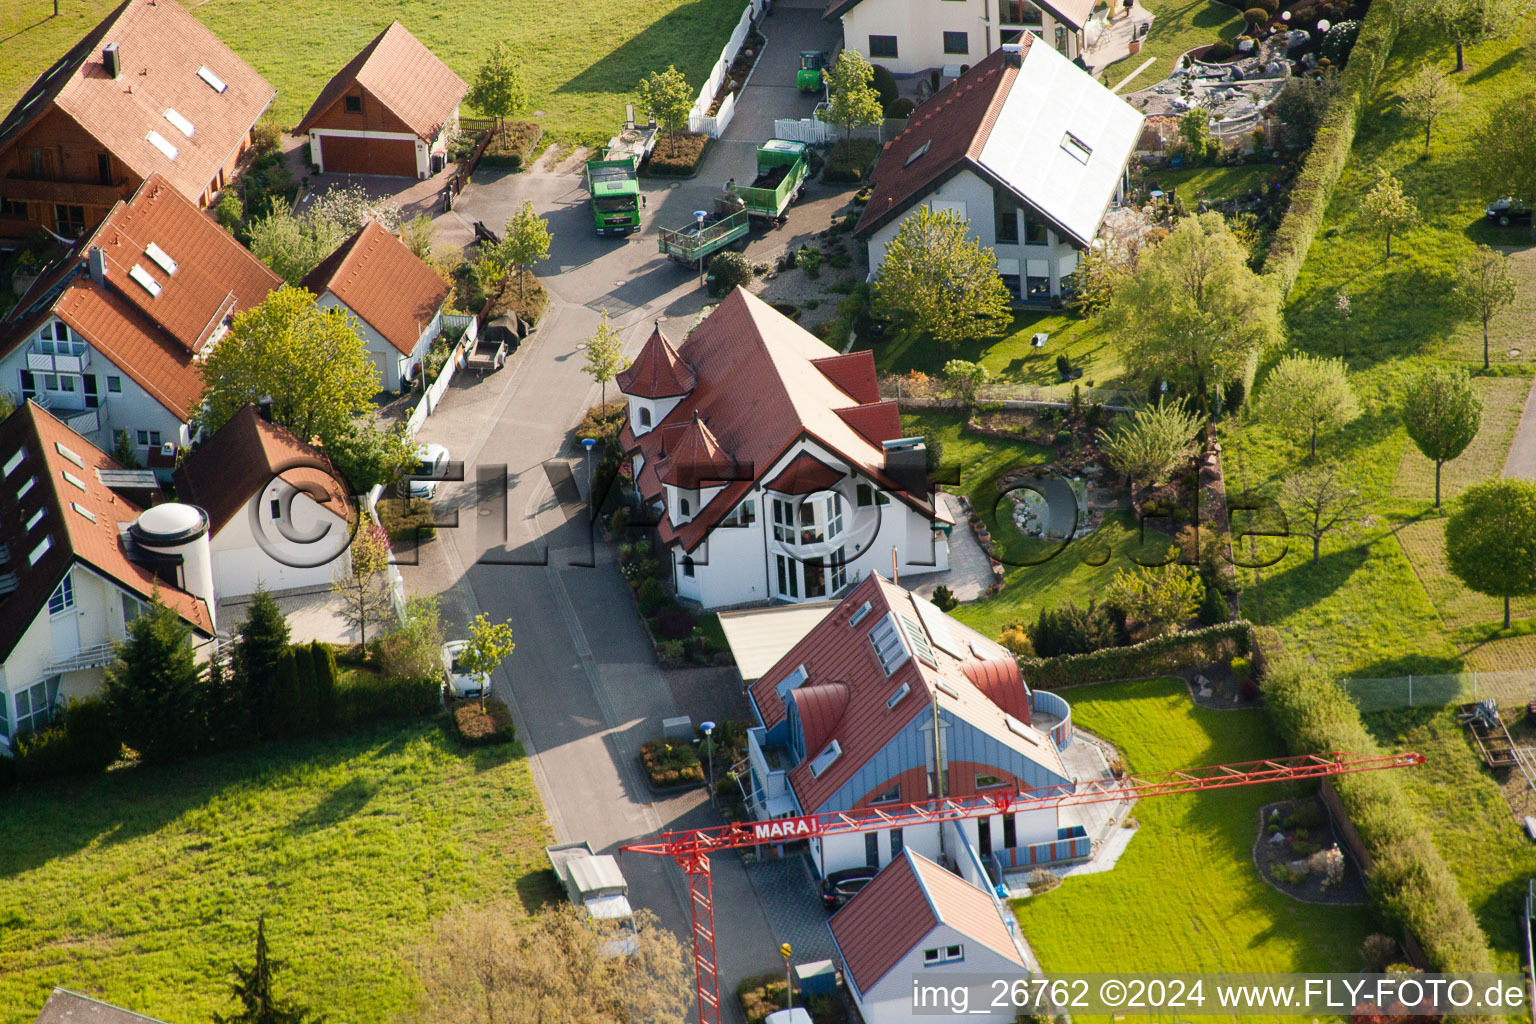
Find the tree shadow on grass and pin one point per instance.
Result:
(659, 45)
(1305, 583)
(337, 806)
(538, 890)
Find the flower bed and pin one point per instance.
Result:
(670, 763)
(677, 155)
(1298, 853)
(513, 146)
(741, 68)
(478, 725)
(406, 519)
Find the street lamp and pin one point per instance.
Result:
(698, 218)
(589, 443)
(709, 754)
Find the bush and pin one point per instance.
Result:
(810, 261)
(945, 598)
(1242, 670)
(677, 156)
(652, 594)
(1220, 50)
(513, 145)
(671, 763)
(1213, 608)
(884, 84)
(1015, 638)
(324, 661)
(93, 743)
(902, 108)
(44, 754)
(229, 212)
(603, 421)
(1410, 883)
(407, 519)
(1376, 952)
(850, 163)
(674, 623)
(761, 996)
(1330, 151)
(1164, 655)
(1303, 848)
(1073, 630)
(1256, 16)
(1041, 880)
(266, 137)
(1309, 815)
(483, 727)
(1340, 40)
(731, 270)
(365, 697)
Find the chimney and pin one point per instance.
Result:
(1013, 55)
(906, 463)
(98, 263)
(112, 60)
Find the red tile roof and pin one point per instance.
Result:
(946, 132)
(760, 386)
(403, 75)
(150, 337)
(877, 422)
(383, 283)
(693, 456)
(658, 371)
(837, 652)
(854, 373)
(894, 913)
(162, 47)
(243, 456)
(71, 534)
(805, 474)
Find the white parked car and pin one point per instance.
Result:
(797, 1015)
(462, 683)
(432, 458)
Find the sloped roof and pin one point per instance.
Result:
(1072, 12)
(760, 388)
(66, 1007)
(876, 422)
(901, 906)
(805, 474)
(403, 75)
(70, 534)
(658, 371)
(150, 337)
(693, 456)
(1029, 120)
(243, 456)
(383, 283)
(837, 652)
(162, 48)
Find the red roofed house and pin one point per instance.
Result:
(847, 716)
(79, 560)
(109, 337)
(389, 111)
(915, 933)
(149, 90)
(773, 468)
(278, 512)
(1026, 147)
(396, 299)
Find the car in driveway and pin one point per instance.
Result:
(461, 682)
(431, 459)
(841, 886)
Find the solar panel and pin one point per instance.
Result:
(936, 624)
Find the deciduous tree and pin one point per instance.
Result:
(605, 356)
(362, 580)
(498, 90)
(1127, 233)
(1490, 540)
(490, 643)
(154, 690)
(855, 102)
(1465, 22)
(1317, 499)
(1161, 597)
(415, 646)
(1149, 443)
(1386, 208)
(939, 280)
(1193, 312)
(292, 246)
(1442, 413)
(526, 242)
(366, 456)
(1506, 149)
(252, 989)
(965, 377)
(310, 361)
(1484, 286)
(669, 99)
(1429, 95)
(1304, 394)
(1302, 104)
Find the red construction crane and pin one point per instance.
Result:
(691, 849)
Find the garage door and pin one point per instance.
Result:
(343, 154)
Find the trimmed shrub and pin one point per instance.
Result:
(483, 727)
(1213, 608)
(1409, 882)
(1160, 656)
(731, 269)
(1340, 40)
(44, 754)
(369, 698)
(93, 743)
(1220, 50)
(1256, 16)
(810, 261)
(884, 83)
(323, 660)
(304, 705)
(652, 594)
(903, 107)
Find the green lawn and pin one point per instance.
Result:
(581, 60)
(1185, 896)
(1213, 183)
(142, 886)
(1180, 26)
(1012, 358)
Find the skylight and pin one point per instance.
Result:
(157, 140)
(790, 682)
(823, 760)
(68, 454)
(858, 616)
(1021, 730)
(34, 519)
(7, 582)
(917, 154)
(39, 551)
(890, 646)
(14, 461)
(161, 258)
(948, 689)
(73, 479)
(141, 276)
(918, 640)
(21, 492)
(895, 698)
(214, 81)
(83, 510)
(182, 124)
(1076, 148)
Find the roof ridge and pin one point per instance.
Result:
(922, 882)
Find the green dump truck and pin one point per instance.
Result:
(781, 171)
(726, 223)
(613, 179)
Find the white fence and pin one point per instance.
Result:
(396, 580)
(699, 119)
(456, 360)
(807, 130)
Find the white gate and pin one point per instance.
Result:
(807, 129)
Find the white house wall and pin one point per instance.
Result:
(919, 27)
(834, 853)
(890, 1000)
(392, 366)
(240, 562)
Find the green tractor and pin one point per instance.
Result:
(808, 78)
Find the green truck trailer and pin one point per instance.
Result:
(613, 179)
(693, 243)
(781, 170)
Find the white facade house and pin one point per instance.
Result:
(771, 467)
(1027, 148)
(910, 37)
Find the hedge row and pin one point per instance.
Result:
(1330, 150)
(368, 698)
(1160, 656)
(1410, 882)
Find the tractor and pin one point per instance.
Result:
(808, 78)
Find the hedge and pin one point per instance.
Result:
(1330, 150)
(367, 698)
(1160, 656)
(1409, 882)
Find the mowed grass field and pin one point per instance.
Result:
(1185, 896)
(581, 59)
(141, 887)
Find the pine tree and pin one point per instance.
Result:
(252, 988)
(287, 712)
(155, 691)
(325, 684)
(262, 638)
(305, 702)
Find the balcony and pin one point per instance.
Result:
(78, 193)
(1051, 714)
(58, 357)
(84, 423)
(95, 656)
(769, 795)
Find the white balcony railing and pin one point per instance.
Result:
(40, 361)
(95, 656)
(87, 422)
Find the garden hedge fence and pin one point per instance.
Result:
(1160, 656)
(1330, 150)
(1409, 881)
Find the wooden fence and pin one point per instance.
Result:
(465, 168)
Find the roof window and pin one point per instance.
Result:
(24, 489)
(141, 276)
(823, 760)
(948, 689)
(83, 510)
(161, 258)
(182, 124)
(1021, 730)
(38, 552)
(34, 519)
(67, 475)
(918, 641)
(214, 81)
(7, 583)
(858, 616)
(68, 454)
(895, 698)
(1076, 148)
(917, 154)
(157, 140)
(890, 646)
(14, 461)
(791, 681)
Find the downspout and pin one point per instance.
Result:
(938, 770)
